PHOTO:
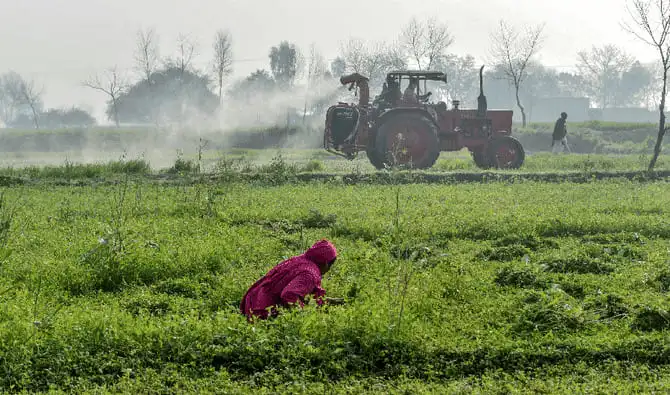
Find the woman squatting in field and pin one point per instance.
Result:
(290, 282)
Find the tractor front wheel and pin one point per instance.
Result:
(408, 140)
(481, 159)
(506, 152)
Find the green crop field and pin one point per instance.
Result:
(117, 277)
(301, 161)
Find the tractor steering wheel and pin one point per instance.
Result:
(424, 98)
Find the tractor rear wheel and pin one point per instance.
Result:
(481, 159)
(408, 140)
(506, 152)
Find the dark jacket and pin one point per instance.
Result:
(560, 130)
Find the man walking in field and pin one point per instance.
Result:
(560, 134)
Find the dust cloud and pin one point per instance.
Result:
(257, 118)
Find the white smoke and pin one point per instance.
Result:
(301, 109)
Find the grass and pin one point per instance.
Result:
(295, 161)
(490, 287)
(71, 170)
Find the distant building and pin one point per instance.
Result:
(578, 109)
(624, 114)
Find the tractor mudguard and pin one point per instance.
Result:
(382, 118)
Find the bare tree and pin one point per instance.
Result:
(376, 63)
(6, 105)
(29, 95)
(300, 64)
(186, 51)
(10, 96)
(317, 66)
(223, 58)
(146, 53)
(113, 86)
(147, 60)
(394, 57)
(353, 53)
(462, 78)
(17, 96)
(426, 42)
(412, 39)
(316, 70)
(650, 22)
(182, 61)
(372, 59)
(32, 95)
(513, 52)
(602, 68)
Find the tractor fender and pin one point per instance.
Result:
(382, 118)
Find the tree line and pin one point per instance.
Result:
(166, 90)
(607, 75)
(172, 90)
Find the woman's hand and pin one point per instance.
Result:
(334, 301)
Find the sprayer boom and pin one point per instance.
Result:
(361, 82)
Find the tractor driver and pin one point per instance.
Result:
(410, 91)
(393, 93)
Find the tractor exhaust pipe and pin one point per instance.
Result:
(357, 80)
(481, 100)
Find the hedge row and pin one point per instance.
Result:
(586, 137)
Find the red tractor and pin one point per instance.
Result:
(406, 130)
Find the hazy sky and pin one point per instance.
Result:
(61, 42)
